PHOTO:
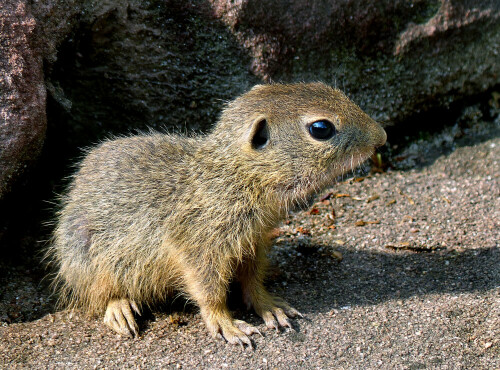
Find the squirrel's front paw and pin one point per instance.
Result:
(234, 331)
(275, 312)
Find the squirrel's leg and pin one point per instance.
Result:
(120, 318)
(208, 286)
(272, 309)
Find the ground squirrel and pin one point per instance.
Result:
(155, 213)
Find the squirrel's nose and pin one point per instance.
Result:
(380, 137)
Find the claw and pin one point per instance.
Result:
(246, 341)
(120, 318)
(275, 311)
(236, 337)
(135, 307)
(270, 321)
(292, 312)
(282, 318)
(286, 323)
(246, 328)
(233, 331)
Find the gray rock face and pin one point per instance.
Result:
(138, 64)
(394, 58)
(113, 66)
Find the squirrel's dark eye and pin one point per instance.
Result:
(322, 130)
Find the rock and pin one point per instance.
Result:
(394, 58)
(22, 92)
(134, 65)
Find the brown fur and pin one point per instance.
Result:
(149, 214)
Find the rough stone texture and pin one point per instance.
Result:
(395, 58)
(22, 93)
(138, 64)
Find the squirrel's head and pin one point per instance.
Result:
(297, 138)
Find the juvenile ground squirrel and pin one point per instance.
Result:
(151, 214)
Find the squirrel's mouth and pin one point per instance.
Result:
(303, 187)
(352, 161)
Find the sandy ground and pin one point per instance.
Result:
(399, 269)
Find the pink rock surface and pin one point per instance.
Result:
(22, 98)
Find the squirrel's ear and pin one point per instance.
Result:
(259, 133)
